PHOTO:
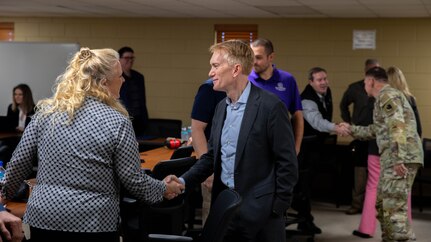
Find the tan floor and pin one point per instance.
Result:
(338, 227)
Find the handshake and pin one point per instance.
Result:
(343, 129)
(174, 187)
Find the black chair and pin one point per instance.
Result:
(173, 167)
(183, 151)
(159, 128)
(214, 230)
(6, 124)
(194, 198)
(7, 147)
(138, 219)
(424, 174)
(163, 128)
(180, 165)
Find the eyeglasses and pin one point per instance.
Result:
(128, 57)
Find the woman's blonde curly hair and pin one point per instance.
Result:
(83, 78)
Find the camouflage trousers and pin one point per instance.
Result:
(391, 205)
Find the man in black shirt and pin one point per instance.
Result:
(132, 93)
(362, 115)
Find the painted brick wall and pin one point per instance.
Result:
(173, 53)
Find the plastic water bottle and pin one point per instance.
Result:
(189, 132)
(184, 134)
(2, 171)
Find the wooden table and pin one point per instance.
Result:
(344, 140)
(17, 208)
(4, 135)
(152, 157)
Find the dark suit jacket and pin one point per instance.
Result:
(265, 164)
(13, 117)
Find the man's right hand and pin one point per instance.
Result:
(10, 227)
(343, 129)
(174, 187)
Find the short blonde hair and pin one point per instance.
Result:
(397, 80)
(236, 52)
(83, 78)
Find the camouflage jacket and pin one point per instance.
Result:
(394, 127)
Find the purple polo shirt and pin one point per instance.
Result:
(282, 84)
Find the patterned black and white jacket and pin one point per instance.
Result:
(80, 168)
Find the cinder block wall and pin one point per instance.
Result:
(173, 53)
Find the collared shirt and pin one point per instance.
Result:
(322, 99)
(229, 136)
(206, 100)
(22, 118)
(282, 84)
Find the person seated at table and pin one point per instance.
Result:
(10, 226)
(21, 108)
(86, 147)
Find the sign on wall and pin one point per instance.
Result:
(364, 39)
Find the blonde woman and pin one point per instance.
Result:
(86, 147)
(397, 80)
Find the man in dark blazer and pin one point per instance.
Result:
(251, 148)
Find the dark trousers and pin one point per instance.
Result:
(272, 230)
(43, 235)
(302, 190)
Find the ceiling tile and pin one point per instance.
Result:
(217, 8)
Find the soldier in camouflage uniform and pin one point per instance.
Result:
(401, 153)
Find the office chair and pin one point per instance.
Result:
(138, 219)
(214, 230)
(183, 151)
(6, 124)
(180, 165)
(173, 167)
(159, 128)
(194, 198)
(424, 174)
(7, 147)
(163, 128)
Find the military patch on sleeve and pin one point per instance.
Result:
(389, 107)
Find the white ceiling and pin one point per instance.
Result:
(219, 8)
